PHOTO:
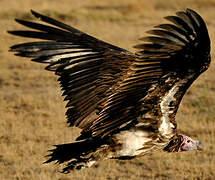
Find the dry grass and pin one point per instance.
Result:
(31, 108)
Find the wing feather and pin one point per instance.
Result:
(87, 67)
(104, 84)
(173, 49)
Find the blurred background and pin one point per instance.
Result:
(32, 109)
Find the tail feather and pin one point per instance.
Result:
(66, 152)
(77, 154)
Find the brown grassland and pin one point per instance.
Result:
(32, 109)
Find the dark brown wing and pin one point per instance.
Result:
(178, 48)
(98, 76)
(87, 67)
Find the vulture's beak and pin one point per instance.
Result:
(199, 145)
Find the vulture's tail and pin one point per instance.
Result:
(78, 154)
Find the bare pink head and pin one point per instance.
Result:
(188, 144)
(183, 143)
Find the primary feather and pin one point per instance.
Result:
(125, 103)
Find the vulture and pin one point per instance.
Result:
(125, 103)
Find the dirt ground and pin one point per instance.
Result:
(32, 109)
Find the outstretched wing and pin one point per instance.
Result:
(98, 76)
(174, 50)
(87, 67)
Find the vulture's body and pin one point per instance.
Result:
(125, 103)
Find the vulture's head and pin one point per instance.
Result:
(183, 143)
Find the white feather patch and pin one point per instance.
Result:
(90, 163)
(166, 126)
(132, 141)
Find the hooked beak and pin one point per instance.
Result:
(199, 145)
